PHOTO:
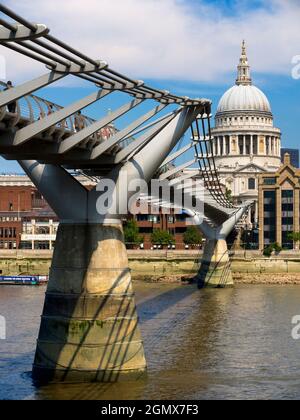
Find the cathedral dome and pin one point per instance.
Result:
(244, 98)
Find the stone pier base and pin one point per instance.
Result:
(215, 268)
(89, 329)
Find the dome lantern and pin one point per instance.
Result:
(244, 76)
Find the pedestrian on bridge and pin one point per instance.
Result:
(79, 122)
(13, 105)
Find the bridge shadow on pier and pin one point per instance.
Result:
(180, 328)
(92, 337)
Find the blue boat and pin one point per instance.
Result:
(23, 280)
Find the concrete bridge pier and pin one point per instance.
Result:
(215, 269)
(89, 328)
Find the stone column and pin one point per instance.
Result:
(233, 147)
(261, 145)
(219, 146)
(251, 145)
(296, 215)
(261, 218)
(89, 328)
(224, 146)
(244, 144)
(256, 212)
(278, 217)
(271, 146)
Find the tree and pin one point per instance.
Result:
(192, 236)
(131, 233)
(228, 195)
(162, 237)
(295, 236)
(268, 251)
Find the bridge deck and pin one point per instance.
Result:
(32, 108)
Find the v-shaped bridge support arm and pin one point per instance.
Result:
(215, 269)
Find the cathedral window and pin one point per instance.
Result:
(251, 184)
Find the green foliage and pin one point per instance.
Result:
(277, 248)
(131, 233)
(295, 236)
(228, 194)
(272, 247)
(192, 236)
(268, 251)
(162, 237)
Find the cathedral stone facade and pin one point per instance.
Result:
(245, 141)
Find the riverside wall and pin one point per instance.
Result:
(158, 263)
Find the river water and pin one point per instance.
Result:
(210, 344)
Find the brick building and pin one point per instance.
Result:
(27, 221)
(175, 224)
(24, 215)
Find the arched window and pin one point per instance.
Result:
(251, 184)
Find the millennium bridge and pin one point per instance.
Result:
(89, 328)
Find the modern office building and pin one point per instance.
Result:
(294, 154)
(279, 208)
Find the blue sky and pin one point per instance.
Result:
(201, 60)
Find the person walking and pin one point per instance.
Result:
(13, 105)
(79, 122)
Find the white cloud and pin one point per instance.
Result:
(166, 39)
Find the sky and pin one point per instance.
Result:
(190, 47)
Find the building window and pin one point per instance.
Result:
(287, 207)
(153, 219)
(269, 181)
(269, 217)
(251, 183)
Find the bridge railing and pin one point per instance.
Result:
(32, 108)
(202, 138)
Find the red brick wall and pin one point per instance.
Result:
(16, 198)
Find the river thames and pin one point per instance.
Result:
(210, 344)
